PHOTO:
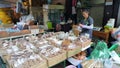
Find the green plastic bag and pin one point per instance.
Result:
(116, 48)
(101, 51)
(113, 47)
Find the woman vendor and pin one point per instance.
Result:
(87, 26)
(87, 23)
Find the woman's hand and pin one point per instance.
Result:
(81, 25)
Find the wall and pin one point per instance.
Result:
(97, 1)
(118, 20)
(37, 12)
(97, 14)
(97, 11)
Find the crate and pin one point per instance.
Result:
(15, 33)
(56, 59)
(3, 52)
(42, 64)
(73, 52)
(5, 58)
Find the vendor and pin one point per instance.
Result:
(87, 26)
(25, 22)
(87, 23)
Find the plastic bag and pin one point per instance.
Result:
(101, 51)
(70, 66)
(108, 63)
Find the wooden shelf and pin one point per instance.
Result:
(101, 34)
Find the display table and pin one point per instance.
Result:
(57, 58)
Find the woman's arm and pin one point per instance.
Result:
(87, 27)
(90, 25)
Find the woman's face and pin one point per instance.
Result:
(85, 14)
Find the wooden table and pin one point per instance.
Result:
(101, 34)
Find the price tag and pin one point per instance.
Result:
(37, 31)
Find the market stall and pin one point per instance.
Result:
(49, 46)
(46, 34)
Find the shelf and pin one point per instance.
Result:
(15, 36)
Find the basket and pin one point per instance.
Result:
(73, 52)
(42, 64)
(76, 32)
(55, 60)
(74, 26)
